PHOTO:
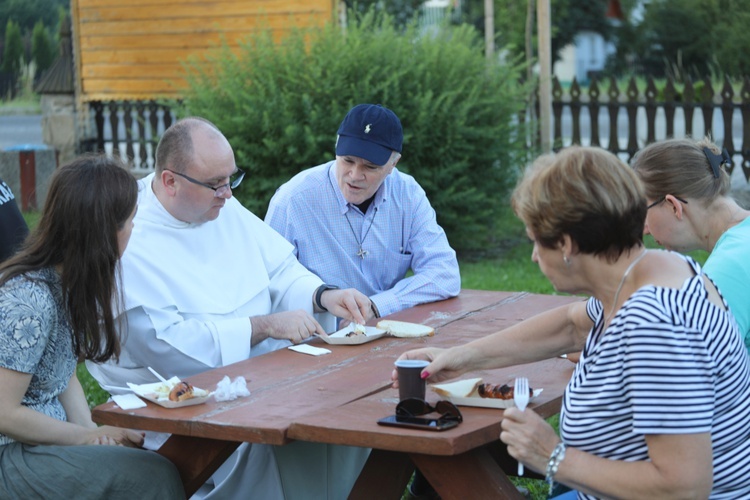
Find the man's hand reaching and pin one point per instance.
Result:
(295, 326)
(349, 304)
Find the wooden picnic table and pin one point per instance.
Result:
(337, 398)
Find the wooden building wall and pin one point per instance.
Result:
(132, 49)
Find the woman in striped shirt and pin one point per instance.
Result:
(659, 403)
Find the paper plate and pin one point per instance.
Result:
(489, 402)
(340, 337)
(476, 400)
(158, 393)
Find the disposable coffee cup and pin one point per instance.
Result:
(410, 382)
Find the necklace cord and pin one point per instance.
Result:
(361, 253)
(622, 282)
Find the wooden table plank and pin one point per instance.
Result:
(285, 385)
(337, 399)
(355, 423)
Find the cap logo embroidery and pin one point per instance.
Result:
(367, 128)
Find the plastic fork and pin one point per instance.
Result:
(521, 398)
(162, 378)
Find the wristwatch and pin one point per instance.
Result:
(319, 294)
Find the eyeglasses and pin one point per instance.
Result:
(234, 181)
(661, 200)
(414, 407)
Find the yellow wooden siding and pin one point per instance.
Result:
(136, 51)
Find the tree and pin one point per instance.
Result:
(687, 38)
(402, 11)
(42, 48)
(13, 51)
(734, 40)
(673, 33)
(569, 17)
(27, 12)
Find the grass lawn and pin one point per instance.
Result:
(26, 104)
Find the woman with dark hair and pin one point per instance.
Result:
(659, 402)
(690, 208)
(56, 309)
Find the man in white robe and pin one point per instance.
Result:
(206, 283)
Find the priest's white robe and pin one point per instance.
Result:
(189, 291)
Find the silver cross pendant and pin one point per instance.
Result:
(362, 252)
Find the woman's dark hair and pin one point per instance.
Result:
(88, 201)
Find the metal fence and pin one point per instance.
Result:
(619, 118)
(624, 119)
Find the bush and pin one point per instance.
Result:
(280, 104)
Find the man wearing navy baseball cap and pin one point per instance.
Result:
(370, 132)
(358, 222)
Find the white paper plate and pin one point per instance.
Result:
(159, 393)
(489, 402)
(476, 400)
(340, 338)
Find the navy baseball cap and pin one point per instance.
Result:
(370, 131)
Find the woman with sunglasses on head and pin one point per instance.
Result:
(658, 404)
(690, 208)
(56, 298)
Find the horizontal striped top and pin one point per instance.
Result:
(670, 362)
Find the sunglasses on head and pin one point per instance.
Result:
(414, 407)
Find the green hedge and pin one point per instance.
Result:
(280, 104)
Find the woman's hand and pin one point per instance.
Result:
(115, 436)
(444, 363)
(530, 439)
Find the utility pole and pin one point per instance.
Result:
(545, 74)
(489, 29)
(529, 45)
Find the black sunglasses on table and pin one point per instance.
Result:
(414, 407)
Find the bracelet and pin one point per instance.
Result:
(554, 463)
(319, 294)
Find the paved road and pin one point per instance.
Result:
(21, 129)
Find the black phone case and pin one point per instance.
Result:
(425, 424)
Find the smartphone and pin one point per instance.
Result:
(425, 424)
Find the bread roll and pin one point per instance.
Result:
(404, 329)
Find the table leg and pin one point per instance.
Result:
(474, 474)
(385, 475)
(196, 458)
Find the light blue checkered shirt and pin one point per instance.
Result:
(311, 213)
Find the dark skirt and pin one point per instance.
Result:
(86, 472)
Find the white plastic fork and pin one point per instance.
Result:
(162, 378)
(521, 398)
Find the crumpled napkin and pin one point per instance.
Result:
(229, 391)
